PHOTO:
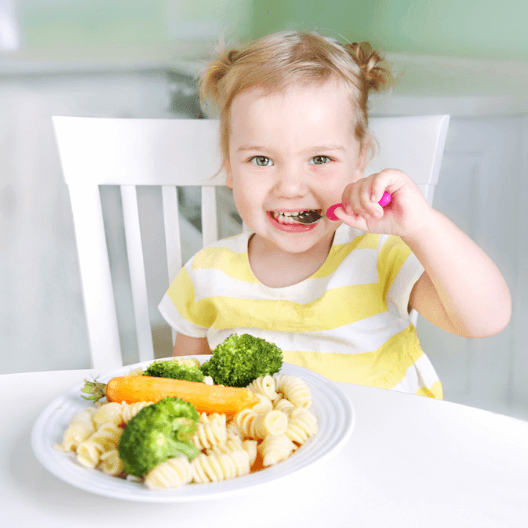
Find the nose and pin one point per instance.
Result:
(290, 182)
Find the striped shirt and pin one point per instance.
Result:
(349, 321)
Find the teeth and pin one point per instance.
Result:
(291, 214)
(296, 213)
(289, 218)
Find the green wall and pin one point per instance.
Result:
(457, 28)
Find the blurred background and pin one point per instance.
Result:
(140, 58)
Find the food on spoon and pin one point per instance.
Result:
(206, 398)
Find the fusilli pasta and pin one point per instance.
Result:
(264, 385)
(172, 473)
(275, 449)
(214, 468)
(210, 431)
(294, 389)
(302, 424)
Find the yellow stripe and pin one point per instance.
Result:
(338, 253)
(237, 265)
(230, 262)
(391, 259)
(337, 307)
(384, 368)
(181, 293)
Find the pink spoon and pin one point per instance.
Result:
(385, 200)
(310, 217)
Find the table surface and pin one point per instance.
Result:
(411, 461)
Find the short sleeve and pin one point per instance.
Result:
(178, 306)
(398, 271)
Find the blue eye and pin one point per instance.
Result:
(320, 160)
(261, 161)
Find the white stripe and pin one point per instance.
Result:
(345, 234)
(368, 335)
(359, 267)
(400, 290)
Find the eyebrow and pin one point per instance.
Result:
(317, 148)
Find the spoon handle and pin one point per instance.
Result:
(385, 200)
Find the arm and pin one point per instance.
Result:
(190, 346)
(461, 290)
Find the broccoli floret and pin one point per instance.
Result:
(240, 359)
(175, 370)
(156, 433)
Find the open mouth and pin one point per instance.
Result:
(297, 217)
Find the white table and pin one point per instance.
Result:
(410, 462)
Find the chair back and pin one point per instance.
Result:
(170, 153)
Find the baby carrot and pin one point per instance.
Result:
(206, 398)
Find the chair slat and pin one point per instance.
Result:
(171, 222)
(136, 266)
(98, 293)
(209, 220)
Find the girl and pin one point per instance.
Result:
(334, 296)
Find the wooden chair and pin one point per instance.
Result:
(171, 153)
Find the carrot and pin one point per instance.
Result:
(206, 398)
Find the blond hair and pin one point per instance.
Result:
(279, 60)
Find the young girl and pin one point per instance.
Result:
(334, 296)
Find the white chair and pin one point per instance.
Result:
(171, 153)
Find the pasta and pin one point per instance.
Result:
(80, 428)
(131, 409)
(275, 449)
(216, 467)
(109, 412)
(265, 404)
(258, 426)
(111, 464)
(265, 386)
(105, 438)
(302, 424)
(284, 405)
(210, 431)
(231, 446)
(294, 389)
(232, 443)
(172, 473)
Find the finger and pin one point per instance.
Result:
(353, 220)
(378, 188)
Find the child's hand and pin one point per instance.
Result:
(406, 212)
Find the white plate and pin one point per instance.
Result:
(333, 409)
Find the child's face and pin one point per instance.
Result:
(292, 151)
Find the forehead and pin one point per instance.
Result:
(300, 112)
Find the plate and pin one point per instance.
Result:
(334, 412)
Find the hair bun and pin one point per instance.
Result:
(374, 68)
